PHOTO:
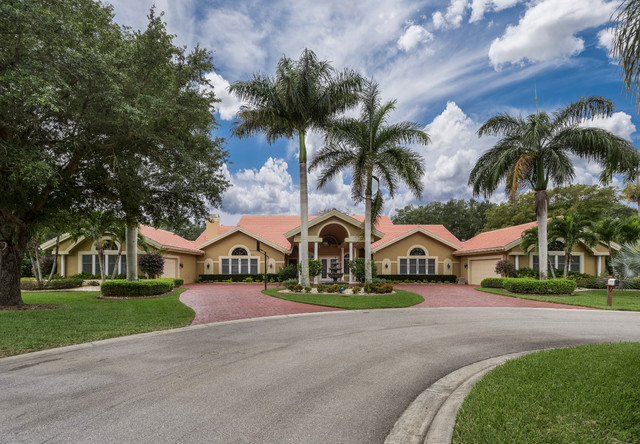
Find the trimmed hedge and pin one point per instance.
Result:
(237, 277)
(601, 283)
(534, 286)
(147, 287)
(451, 278)
(492, 283)
(378, 288)
(54, 284)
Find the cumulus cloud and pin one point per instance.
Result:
(452, 17)
(479, 7)
(605, 40)
(548, 31)
(414, 35)
(230, 104)
(618, 123)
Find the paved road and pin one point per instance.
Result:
(342, 377)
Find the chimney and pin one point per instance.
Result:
(213, 226)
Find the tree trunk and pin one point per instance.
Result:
(101, 259)
(567, 264)
(115, 267)
(368, 276)
(55, 259)
(36, 247)
(132, 251)
(13, 245)
(542, 205)
(304, 215)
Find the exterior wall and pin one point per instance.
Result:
(434, 249)
(589, 262)
(223, 248)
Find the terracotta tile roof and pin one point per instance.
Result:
(392, 232)
(168, 239)
(221, 230)
(271, 228)
(496, 239)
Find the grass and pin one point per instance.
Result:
(351, 302)
(86, 319)
(621, 300)
(587, 394)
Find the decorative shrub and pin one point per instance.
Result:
(315, 268)
(271, 277)
(320, 288)
(288, 272)
(307, 289)
(248, 279)
(492, 283)
(535, 286)
(378, 288)
(334, 288)
(505, 268)
(148, 287)
(177, 282)
(152, 264)
(298, 288)
(357, 268)
(356, 289)
(399, 278)
(527, 273)
(86, 276)
(54, 284)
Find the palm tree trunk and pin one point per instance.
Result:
(55, 259)
(304, 214)
(101, 259)
(37, 260)
(132, 251)
(567, 264)
(115, 267)
(368, 277)
(542, 204)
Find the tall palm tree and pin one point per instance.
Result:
(537, 150)
(629, 230)
(303, 96)
(373, 150)
(94, 226)
(608, 230)
(626, 45)
(571, 230)
(529, 239)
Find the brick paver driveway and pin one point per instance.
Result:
(227, 301)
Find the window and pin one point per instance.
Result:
(418, 266)
(236, 265)
(239, 252)
(417, 252)
(557, 260)
(329, 240)
(87, 263)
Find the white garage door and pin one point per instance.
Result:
(482, 268)
(170, 268)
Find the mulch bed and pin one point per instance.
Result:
(31, 307)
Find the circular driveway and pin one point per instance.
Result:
(218, 302)
(342, 377)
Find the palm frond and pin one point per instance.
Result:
(626, 45)
(583, 109)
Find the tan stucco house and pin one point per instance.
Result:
(397, 249)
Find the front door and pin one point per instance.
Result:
(325, 269)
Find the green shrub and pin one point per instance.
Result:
(592, 282)
(399, 278)
(177, 282)
(335, 288)
(356, 289)
(320, 288)
(247, 279)
(527, 273)
(298, 288)
(86, 276)
(307, 289)
(378, 288)
(377, 280)
(288, 272)
(148, 287)
(534, 286)
(289, 284)
(492, 283)
(55, 284)
(357, 268)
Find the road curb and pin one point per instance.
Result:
(430, 418)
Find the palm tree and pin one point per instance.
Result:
(629, 230)
(626, 45)
(537, 150)
(373, 150)
(303, 96)
(94, 226)
(608, 230)
(570, 230)
(530, 239)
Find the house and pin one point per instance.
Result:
(397, 249)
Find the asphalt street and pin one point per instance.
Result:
(342, 377)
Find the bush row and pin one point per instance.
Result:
(245, 277)
(451, 278)
(601, 283)
(147, 287)
(54, 284)
(531, 285)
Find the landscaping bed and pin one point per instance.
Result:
(587, 394)
(399, 299)
(627, 300)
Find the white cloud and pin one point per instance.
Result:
(453, 17)
(618, 123)
(230, 104)
(414, 35)
(478, 7)
(605, 40)
(548, 31)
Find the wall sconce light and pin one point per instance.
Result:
(209, 265)
(386, 265)
(181, 265)
(466, 266)
(270, 266)
(448, 265)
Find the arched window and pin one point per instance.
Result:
(417, 252)
(329, 240)
(108, 245)
(239, 252)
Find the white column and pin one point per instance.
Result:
(350, 259)
(63, 266)
(517, 262)
(600, 265)
(316, 279)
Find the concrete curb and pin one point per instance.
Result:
(430, 418)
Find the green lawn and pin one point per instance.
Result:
(86, 319)
(622, 300)
(350, 302)
(587, 394)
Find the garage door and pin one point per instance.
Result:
(482, 268)
(170, 268)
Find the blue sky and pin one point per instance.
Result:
(451, 64)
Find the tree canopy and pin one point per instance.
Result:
(98, 116)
